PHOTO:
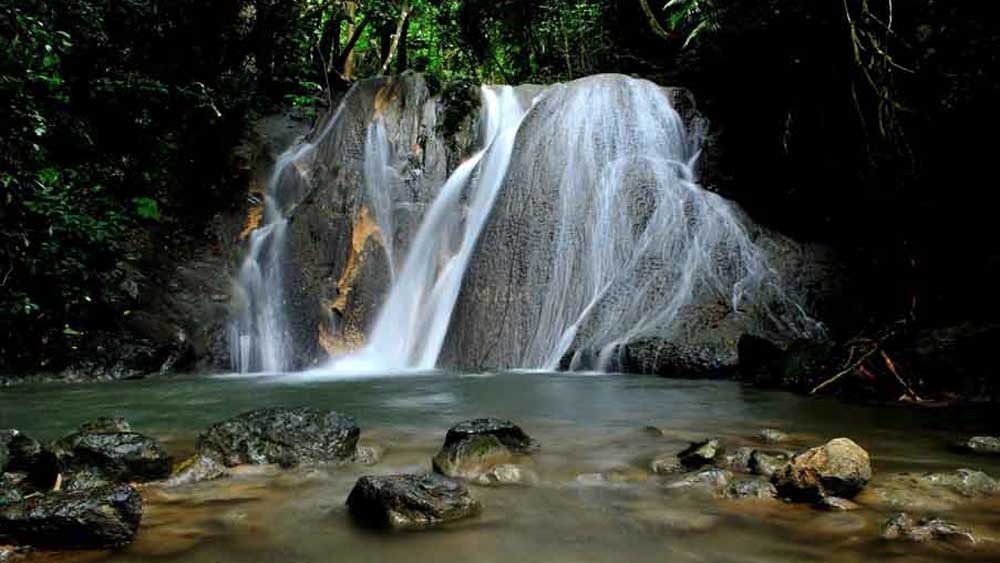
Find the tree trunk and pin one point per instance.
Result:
(404, 18)
(403, 55)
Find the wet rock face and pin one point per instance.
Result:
(287, 437)
(104, 517)
(107, 451)
(35, 467)
(337, 271)
(410, 501)
(713, 480)
(741, 489)
(838, 468)
(902, 526)
(475, 448)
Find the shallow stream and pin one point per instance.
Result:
(595, 501)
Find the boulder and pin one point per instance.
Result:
(839, 468)
(902, 526)
(288, 437)
(700, 454)
(107, 451)
(195, 469)
(9, 493)
(664, 358)
(741, 489)
(474, 447)
(981, 445)
(35, 466)
(410, 501)
(104, 517)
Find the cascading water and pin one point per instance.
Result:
(380, 177)
(414, 320)
(259, 336)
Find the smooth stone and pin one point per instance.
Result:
(712, 480)
(741, 489)
(700, 454)
(105, 517)
(284, 436)
(771, 436)
(410, 501)
(838, 468)
(473, 448)
(902, 526)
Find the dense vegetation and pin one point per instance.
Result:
(841, 120)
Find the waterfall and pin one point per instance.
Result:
(413, 322)
(380, 177)
(259, 336)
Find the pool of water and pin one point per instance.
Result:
(595, 500)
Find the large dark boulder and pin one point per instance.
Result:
(107, 451)
(284, 436)
(32, 466)
(410, 501)
(839, 468)
(104, 517)
(473, 448)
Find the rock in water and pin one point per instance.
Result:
(768, 463)
(737, 460)
(284, 436)
(666, 464)
(751, 489)
(839, 468)
(981, 445)
(104, 517)
(475, 447)
(903, 526)
(930, 491)
(713, 480)
(9, 493)
(771, 436)
(35, 465)
(107, 451)
(410, 501)
(700, 454)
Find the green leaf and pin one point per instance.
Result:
(147, 208)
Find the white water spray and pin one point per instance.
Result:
(414, 320)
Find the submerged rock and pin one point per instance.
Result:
(839, 468)
(771, 436)
(903, 527)
(197, 468)
(284, 436)
(508, 474)
(475, 447)
(836, 504)
(981, 445)
(700, 454)
(712, 480)
(104, 517)
(107, 451)
(666, 464)
(410, 501)
(931, 491)
(751, 489)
